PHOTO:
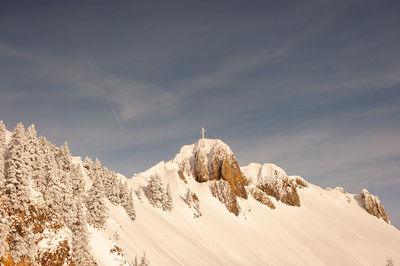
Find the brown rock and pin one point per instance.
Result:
(373, 205)
(283, 189)
(221, 189)
(223, 166)
(261, 197)
(231, 173)
(200, 168)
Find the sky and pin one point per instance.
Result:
(312, 86)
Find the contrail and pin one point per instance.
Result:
(97, 77)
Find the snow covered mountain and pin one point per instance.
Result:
(200, 208)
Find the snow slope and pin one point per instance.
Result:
(330, 227)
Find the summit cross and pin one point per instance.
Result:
(202, 132)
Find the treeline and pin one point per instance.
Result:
(34, 172)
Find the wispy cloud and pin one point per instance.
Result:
(332, 154)
(133, 99)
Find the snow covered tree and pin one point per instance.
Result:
(2, 134)
(143, 261)
(54, 191)
(389, 261)
(4, 225)
(16, 178)
(58, 194)
(31, 147)
(64, 159)
(192, 201)
(129, 207)
(65, 165)
(77, 183)
(139, 194)
(48, 164)
(35, 159)
(88, 164)
(167, 200)
(126, 199)
(94, 169)
(188, 197)
(155, 191)
(80, 243)
(111, 184)
(95, 204)
(2, 150)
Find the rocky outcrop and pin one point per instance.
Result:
(30, 229)
(261, 197)
(282, 189)
(221, 189)
(222, 165)
(212, 160)
(299, 181)
(200, 169)
(274, 182)
(373, 205)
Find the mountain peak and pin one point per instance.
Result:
(204, 146)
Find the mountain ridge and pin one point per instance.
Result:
(179, 213)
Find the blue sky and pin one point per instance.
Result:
(313, 86)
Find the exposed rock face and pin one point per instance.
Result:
(261, 197)
(222, 191)
(282, 189)
(274, 182)
(300, 182)
(200, 170)
(27, 229)
(217, 162)
(212, 160)
(373, 205)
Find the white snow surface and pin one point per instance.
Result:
(327, 229)
(202, 146)
(260, 173)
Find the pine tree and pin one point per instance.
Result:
(50, 168)
(88, 164)
(2, 134)
(54, 191)
(126, 199)
(94, 170)
(193, 202)
(35, 159)
(155, 191)
(143, 261)
(80, 242)
(65, 165)
(2, 150)
(31, 147)
(111, 186)
(77, 183)
(16, 178)
(4, 225)
(58, 194)
(95, 204)
(130, 208)
(189, 197)
(139, 194)
(167, 201)
(50, 182)
(64, 159)
(39, 173)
